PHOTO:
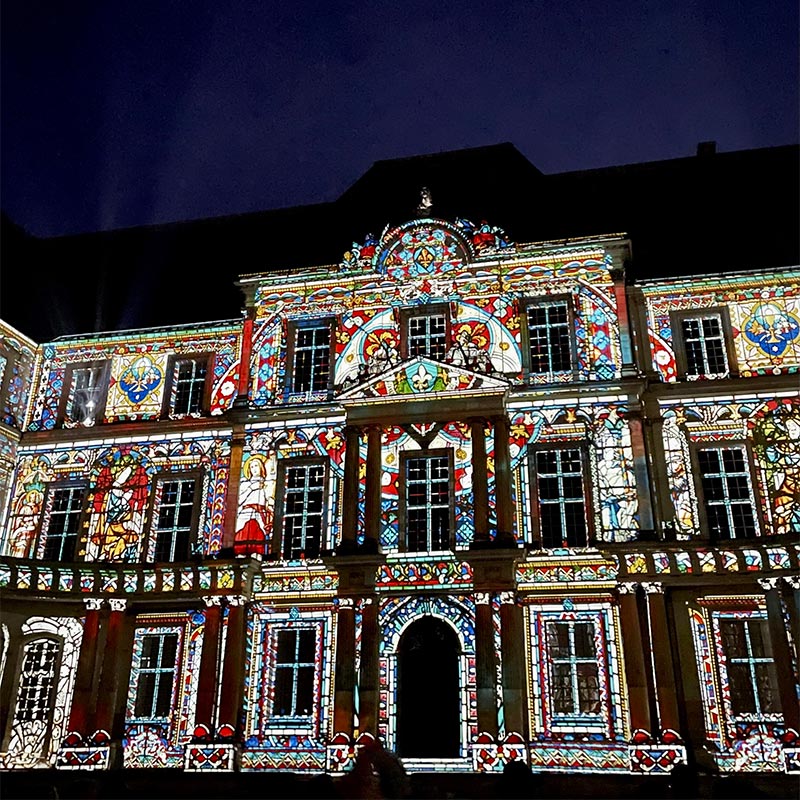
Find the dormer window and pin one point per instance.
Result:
(548, 328)
(426, 331)
(187, 388)
(84, 402)
(310, 357)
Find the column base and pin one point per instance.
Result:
(489, 755)
(210, 757)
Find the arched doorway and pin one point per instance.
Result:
(428, 713)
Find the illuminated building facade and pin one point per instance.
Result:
(482, 499)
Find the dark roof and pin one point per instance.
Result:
(706, 213)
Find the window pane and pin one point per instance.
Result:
(549, 337)
(427, 500)
(311, 367)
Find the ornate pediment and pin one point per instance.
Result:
(425, 247)
(422, 377)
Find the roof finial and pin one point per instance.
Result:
(425, 203)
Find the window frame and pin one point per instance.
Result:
(103, 365)
(405, 456)
(167, 410)
(154, 508)
(275, 634)
(677, 318)
(31, 639)
(284, 464)
(588, 505)
(42, 530)
(293, 326)
(548, 300)
(721, 618)
(424, 311)
(138, 649)
(702, 502)
(574, 661)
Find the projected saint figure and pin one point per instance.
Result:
(119, 507)
(254, 520)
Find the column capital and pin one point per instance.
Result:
(212, 600)
(769, 583)
(235, 599)
(627, 588)
(793, 581)
(117, 603)
(93, 603)
(345, 604)
(653, 587)
(482, 598)
(507, 598)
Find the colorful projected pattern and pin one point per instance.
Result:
(605, 720)
(744, 742)
(272, 740)
(395, 615)
(120, 483)
(770, 424)
(764, 320)
(137, 378)
(602, 430)
(153, 743)
(44, 696)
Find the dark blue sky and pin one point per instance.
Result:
(117, 114)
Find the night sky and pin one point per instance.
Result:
(119, 114)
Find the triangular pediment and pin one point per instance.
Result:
(422, 377)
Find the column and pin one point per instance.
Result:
(244, 361)
(369, 683)
(515, 694)
(372, 504)
(633, 653)
(480, 481)
(207, 681)
(781, 652)
(345, 667)
(791, 587)
(230, 701)
(502, 476)
(232, 494)
(618, 277)
(663, 663)
(634, 420)
(109, 689)
(352, 459)
(485, 664)
(81, 718)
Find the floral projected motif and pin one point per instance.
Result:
(140, 379)
(771, 328)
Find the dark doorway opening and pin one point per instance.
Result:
(428, 718)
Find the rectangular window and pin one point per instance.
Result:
(294, 672)
(727, 492)
(303, 508)
(310, 357)
(574, 671)
(750, 666)
(560, 497)
(37, 682)
(156, 675)
(548, 326)
(86, 389)
(428, 506)
(174, 516)
(426, 331)
(65, 506)
(701, 343)
(187, 385)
